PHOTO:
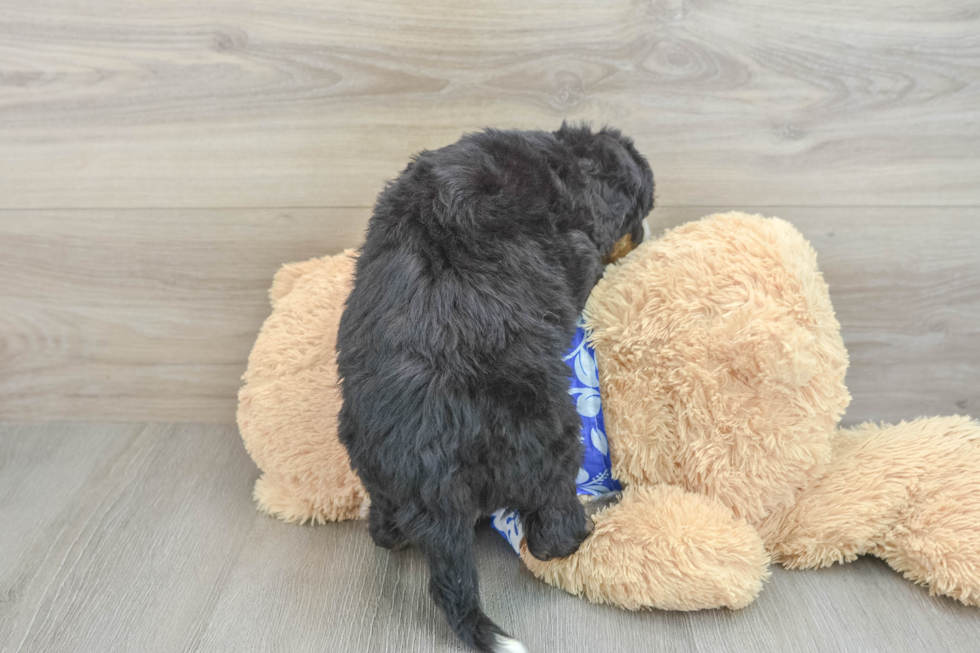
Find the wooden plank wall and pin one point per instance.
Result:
(159, 160)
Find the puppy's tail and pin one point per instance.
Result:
(453, 584)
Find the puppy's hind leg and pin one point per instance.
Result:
(447, 542)
(381, 524)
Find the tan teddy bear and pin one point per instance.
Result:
(722, 379)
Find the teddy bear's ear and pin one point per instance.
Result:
(287, 276)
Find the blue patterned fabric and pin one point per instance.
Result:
(595, 475)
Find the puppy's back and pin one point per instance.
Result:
(451, 343)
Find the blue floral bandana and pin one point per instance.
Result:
(595, 475)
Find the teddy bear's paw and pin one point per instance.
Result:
(663, 548)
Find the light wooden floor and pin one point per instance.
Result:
(122, 538)
(160, 160)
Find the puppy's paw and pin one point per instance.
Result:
(599, 503)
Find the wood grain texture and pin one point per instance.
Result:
(130, 538)
(232, 103)
(143, 315)
(119, 538)
(150, 315)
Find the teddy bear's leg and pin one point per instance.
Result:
(299, 502)
(663, 547)
(276, 500)
(909, 494)
(287, 409)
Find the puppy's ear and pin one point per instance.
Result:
(637, 177)
(639, 233)
(605, 208)
(642, 180)
(618, 201)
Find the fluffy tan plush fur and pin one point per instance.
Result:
(722, 373)
(287, 409)
(909, 494)
(663, 547)
(721, 361)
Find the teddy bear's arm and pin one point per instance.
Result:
(663, 547)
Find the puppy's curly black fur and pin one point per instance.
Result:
(478, 260)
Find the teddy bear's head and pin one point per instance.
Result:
(721, 361)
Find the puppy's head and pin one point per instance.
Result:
(618, 182)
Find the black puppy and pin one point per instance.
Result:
(478, 260)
